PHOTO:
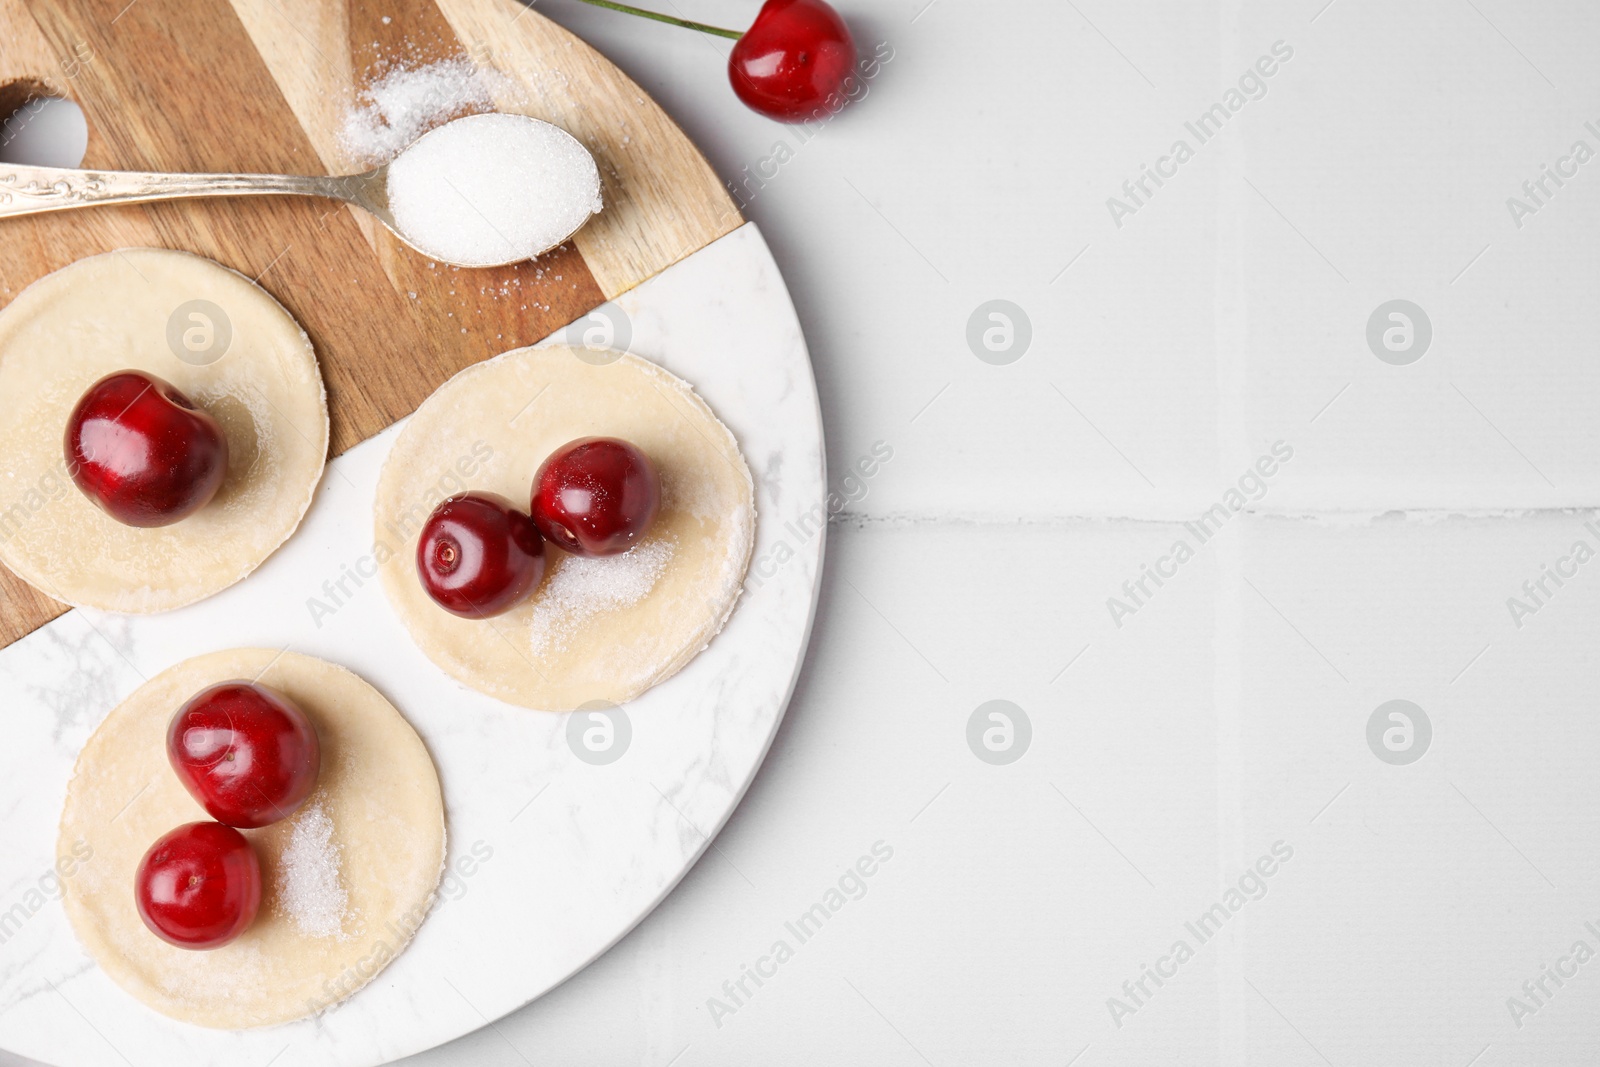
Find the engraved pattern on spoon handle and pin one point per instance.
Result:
(30, 190)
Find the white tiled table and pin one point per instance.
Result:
(1230, 711)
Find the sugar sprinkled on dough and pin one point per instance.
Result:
(583, 587)
(309, 889)
(493, 189)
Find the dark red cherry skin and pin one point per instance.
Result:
(596, 496)
(794, 60)
(479, 556)
(199, 886)
(143, 451)
(245, 751)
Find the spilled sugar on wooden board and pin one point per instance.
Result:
(264, 85)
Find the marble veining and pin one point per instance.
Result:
(569, 856)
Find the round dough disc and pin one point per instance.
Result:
(377, 787)
(115, 312)
(608, 629)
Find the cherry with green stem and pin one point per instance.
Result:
(793, 63)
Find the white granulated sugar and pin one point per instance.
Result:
(309, 889)
(490, 189)
(407, 102)
(583, 587)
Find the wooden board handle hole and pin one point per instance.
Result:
(40, 126)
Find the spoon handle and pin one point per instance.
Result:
(30, 190)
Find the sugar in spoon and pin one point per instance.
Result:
(481, 191)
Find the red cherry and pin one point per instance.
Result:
(794, 60)
(141, 450)
(245, 751)
(199, 886)
(478, 556)
(596, 496)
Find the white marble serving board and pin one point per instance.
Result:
(551, 858)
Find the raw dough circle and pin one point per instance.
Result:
(377, 785)
(117, 311)
(488, 429)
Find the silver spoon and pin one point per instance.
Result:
(26, 190)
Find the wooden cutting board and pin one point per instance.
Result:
(263, 85)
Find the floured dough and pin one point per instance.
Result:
(488, 429)
(111, 312)
(377, 786)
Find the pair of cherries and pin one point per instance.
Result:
(479, 556)
(250, 756)
(143, 451)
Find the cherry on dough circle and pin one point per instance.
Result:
(595, 629)
(116, 312)
(377, 804)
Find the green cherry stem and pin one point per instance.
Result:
(732, 35)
